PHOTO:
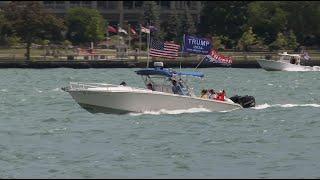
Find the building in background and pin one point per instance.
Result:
(117, 12)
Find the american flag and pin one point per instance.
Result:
(215, 57)
(164, 49)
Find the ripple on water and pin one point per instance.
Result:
(50, 120)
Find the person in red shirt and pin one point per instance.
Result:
(221, 95)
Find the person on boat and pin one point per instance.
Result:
(150, 86)
(176, 88)
(184, 89)
(123, 83)
(221, 95)
(212, 94)
(293, 60)
(204, 94)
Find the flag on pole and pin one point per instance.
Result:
(112, 29)
(153, 28)
(145, 30)
(305, 55)
(215, 57)
(122, 30)
(164, 49)
(133, 31)
(196, 45)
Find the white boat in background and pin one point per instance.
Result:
(287, 62)
(110, 98)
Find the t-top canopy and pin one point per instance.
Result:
(291, 55)
(167, 72)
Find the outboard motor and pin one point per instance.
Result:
(245, 101)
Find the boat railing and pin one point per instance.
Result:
(86, 86)
(82, 85)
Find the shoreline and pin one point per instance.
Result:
(110, 60)
(84, 64)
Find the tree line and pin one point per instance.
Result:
(241, 25)
(269, 25)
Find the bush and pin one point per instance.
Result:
(13, 41)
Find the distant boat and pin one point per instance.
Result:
(110, 98)
(286, 62)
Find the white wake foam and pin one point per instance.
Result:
(316, 68)
(264, 106)
(38, 90)
(56, 89)
(192, 110)
(197, 110)
(261, 106)
(4, 90)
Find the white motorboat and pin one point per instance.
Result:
(286, 62)
(110, 98)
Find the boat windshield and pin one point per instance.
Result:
(165, 84)
(167, 80)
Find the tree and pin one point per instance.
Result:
(303, 19)
(267, 19)
(225, 18)
(217, 42)
(3, 23)
(171, 26)
(85, 25)
(13, 41)
(187, 23)
(248, 39)
(30, 22)
(292, 40)
(151, 16)
(279, 43)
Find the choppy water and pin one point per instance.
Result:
(45, 134)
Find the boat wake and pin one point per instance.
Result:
(199, 110)
(315, 68)
(307, 68)
(182, 111)
(264, 106)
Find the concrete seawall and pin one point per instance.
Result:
(77, 64)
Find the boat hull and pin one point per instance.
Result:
(271, 65)
(120, 102)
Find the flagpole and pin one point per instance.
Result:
(199, 63)
(107, 34)
(140, 41)
(129, 32)
(182, 48)
(118, 40)
(148, 44)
